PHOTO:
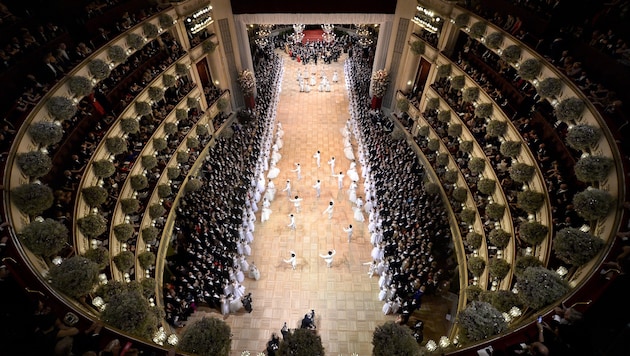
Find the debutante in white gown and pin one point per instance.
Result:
(254, 273)
(273, 172)
(358, 214)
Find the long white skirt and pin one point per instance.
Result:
(273, 172)
(236, 305)
(353, 175)
(254, 273)
(358, 214)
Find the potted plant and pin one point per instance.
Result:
(510, 148)
(529, 69)
(530, 201)
(148, 287)
(34, 164)
(182, 70)
(201, 130)
(431, 188)
(539, 287)
(443, 71)
(444, 116)
(402, 104)
(222, 104)
(193, 185)
(434, 144)
(576, 247)
(525, 262)
(477, 165)
(417, 47)
(130, 205)
(148, 162)
(478, 29)
(582, 137)
(181, 114)
(511, 54)
(484, 110)
(192, 102)
(569, 109)
(474, 240)
(168, 80)
(549, 87)
(170, 128)
(451, 177)
(123, 232)
(61, 108)
(149, 234)
(458, 82)
(138, 182)
(378, 87)
(462, 20)
(432, 103)
(135, 41)
(480, 321)
(247, 84)
(99, 255)
(468, 216)
(192, 142)
(44, 237)
(208, 46)
(92, 225)
(495, 211)
(124, 261)
(129, 125)
(494, 40)
(460, 194)
(423, 131)
(470, 94)
(522, 172)
(182, 157)
(117, 54)
(32, 198)
(142, 108)
(75, 276)
(486, 186)
(496, 128)
(499, 238)
(45, 133)
(156, 211)
(164, 191)
(442, 159)
(473, 292)
(211, 336)
(166, 21)
(103, 168)
(533, 232)
(592, 204)
(159, 143)
(146, 259)
(391, 339)
(466, 146)
(150, 30)
(99, 69)
(94, 196)
(116, 145)
(155, 93)
(79, 85)
(173, 172)
(130, 312)
(504, 300)
(593, 168)
(499, 268)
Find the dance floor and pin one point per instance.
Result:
(344, 297)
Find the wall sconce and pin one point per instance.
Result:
(431, 346)
(172, 339)
(57, 260)
(444, 342)
(562, 271)
(99, 303)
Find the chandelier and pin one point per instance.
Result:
(365, 37)
(427, 19)
(328, 35)
(298, 36)
(262, 35)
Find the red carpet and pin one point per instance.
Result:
(312, 35)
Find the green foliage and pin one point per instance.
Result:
(402, 104)
(155, 93)
(474, 240)
(164, 191)
(458, 82)
(103, 168)
(166, 21)
(192, 102)
(168, 80)
(113, 288)
(454, 130)
(486, 186)
(466, 146)
(498, 268)
(432, 188)
(477, 165)
(116, 145)
(434, 103)
(480, 321)
(525, 262)
(434, 144)
(451, 176)
(569, 109)
(129, 205)
(150, 233)
(583, 137)
(510, 148)
(46, 237)
(460, 194)
(92, 225)
(529, 69)
(79, 85)
(61, 108)
(593, 168)
(539, 287)
(99, 255)
(549, 87)
(32, 198)
(135, 41)
(75, 276)
(117, 54)
(156, 211)
(476, 266)
(34, 163)
(496, 128)
(444, 116)
(530, 201)
(201, 130)
(576, 247)
(142, 108)
(181, 69)
(499, 238)
(149, 30)
(495, 211)
(208, 46)
(592, 204)
(473, 292)
(443, 71)
(159, 143)
(129, 125)
(417, 47)
(511, 54)
(130, 312)
(124, 261)
(222, 104)
(478, 29)
(182, 157)
(423, 131)
(99, 69)
(211, 337)
(533, 232)
(470, 94)
(149, 162)
(504, 300)
(170, 128)
(45, 133)
(192, 142)
(193, 184)
(94, 196)
(181, 114)
(484, 110)
(146, 259)
(173, 172)
(522, 172)
(138, 182)
(393, 339)
(462, 20)
(494, 40)
(442, 159)
(123, 232)
(148, 287)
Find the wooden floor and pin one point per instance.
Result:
(344, 298)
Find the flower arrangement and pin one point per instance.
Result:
(142, 108)
(192, 142)
(146, 259)
(499, 238)
(477, 165)
(192, 103)
(173, 172)
(473, 292)
(480, 321)
(458, 82)
(61, 108)
(470, 94)
(388, 339)
(135, 41)
(193, 185)
(182, 157)
(92, 225)
(398, 134)
(45, 133)
(380, 81)
(129, 310)
(478, 29)
(34, 164)
(208, 46)
(510, 148)
(99, 69)
(593, 168)
(417, 47)
(46, 237)
(582, 137)
(483, 110)
(434, 144)
(75, 276)
(592, 204)
(496, 128)
(103, 168)
(530, 200)
(444, 116)
(524, 262)
(499, 268)
(129, 125)
(130, 205)
(201, 130)
(466, 146)
(116, 145)
(462, 20)
(443, 71)
(170, 128)
(159, 143)
(451, 177)
(486, 186)
(150, 30)
(532, 232)
(182, 70)
(181, 114)
(80, 86)
(495, 211)
(208, 336)
(222, 104)
(423, 131)
(468, 216)
(474, 240)
(164, 191)
(156, 211)
(494, 40)
(32, 198)
(431, 188)
(529, 69)
(539, 287)
(454, 130)
(402, 104)
(576, 247)
(123, 232)
(432, 103)
(165, 21)
(117, 54)
(511, 54)
(155, 93)
(569, 109)
(99, 255)
(522, 172)
(168, 80)
(549, 87)
(94, 196)
(504, 300)
(138, 182)
(148, 285)
(460, 194)
(149, 234)
(247, 82)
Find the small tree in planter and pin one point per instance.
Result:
(223, 104)
(129, 205)
(138, 182)
(192, 142)
(451, 177)
(593, 168)
(480, 321)
(470, 94)
(504, 300)
(478, 29)
(525, 262)
(539, 287)
(431, 188)
(483, 110)
(592, 204)
(34, 164)
(149, 30)
(576, 247)
(135, 41)
(193, 185)
(530, 201)
(159, 144)
(117, 54)
(123, 232)
(474, 240)
(192, 103)
(164, 191)
(444, 116)
(434, 144)
(495, 211)
(417, 47)
(454, 130)
(392, 339)
(496, 128)
(149, 234)
(402, 104)
(460, 194)
(511, 54)
(142, 108)
(583, 137)
(211, 337)
(148, 287)
(458, 82)
(146, 259)
(103, 168)
(462, 20)
(182, 70)
(466, 146)
(44, 237)
(99, 69)
(443, 71)
(94, 196)
(181, 114)
(170, 128)
(208, 46)
(124, 261)
(61, 108)
(486, 186)
(148, 162)
(45, 133)
(423, 131)
(201, 130)
(522, 172)
(92, 225)
(549, 87)
(75, 276)
(442, 159)
(433, 103)
(473, 292)
(476, 266)
(173, 172)
(510, 148)
(494, 40)
(533, 232)
(156, 211)
(116, 145)
(32, 198)
(129, 125)
(569, 109)
(182, 157)
(165, 21)
(476, 165)
(168, 80)
(499, 268)
(130, 312)
(155, 93)
(500, 238)
(79, 85)
(99, 255)
(529, 69)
